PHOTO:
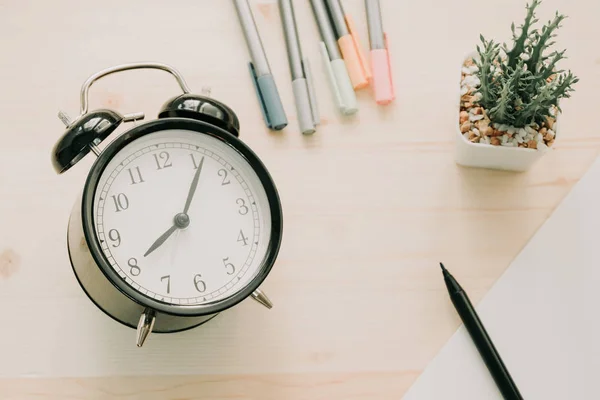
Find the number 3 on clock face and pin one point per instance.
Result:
(164, 251)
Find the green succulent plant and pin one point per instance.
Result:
(520, 85)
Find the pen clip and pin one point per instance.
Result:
(270, 103)
(261, 100)
(353, 33)
(389, 64)
(332, 81)
(312, 96)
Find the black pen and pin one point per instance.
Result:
(479, 335)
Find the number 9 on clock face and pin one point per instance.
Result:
(183, 218)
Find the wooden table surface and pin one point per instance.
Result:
(371, 203)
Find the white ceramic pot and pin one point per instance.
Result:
(488, 156)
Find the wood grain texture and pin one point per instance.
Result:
(351, 386)
(371, 203)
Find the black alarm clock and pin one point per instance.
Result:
(178, 219)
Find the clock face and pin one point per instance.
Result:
(182, 217)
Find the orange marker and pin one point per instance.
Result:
(383, 84)
(347, 38)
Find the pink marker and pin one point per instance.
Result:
(383, 84)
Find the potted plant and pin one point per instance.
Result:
(509, 98)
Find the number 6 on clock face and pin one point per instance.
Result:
(196, 256)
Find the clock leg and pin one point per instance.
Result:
(262, 298)
(145, 326)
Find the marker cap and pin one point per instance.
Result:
(305, 117)
(270, 102)
(306, 100)
(358, 67)
(383, 83)
(340, 83)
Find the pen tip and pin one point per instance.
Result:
(443, 268)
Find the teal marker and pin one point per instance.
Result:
(260, 71)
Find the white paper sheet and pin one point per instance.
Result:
(542, 314)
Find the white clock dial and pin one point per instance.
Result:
(204, 254)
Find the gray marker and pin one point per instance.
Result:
(326, 30)
(376, 36)
(302, 84)
(337, 16)
(260, 71)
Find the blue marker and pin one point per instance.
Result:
(260, 71)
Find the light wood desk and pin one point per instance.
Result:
(371, 203)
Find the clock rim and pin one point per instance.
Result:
(199, 127)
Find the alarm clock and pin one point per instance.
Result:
(178, 219)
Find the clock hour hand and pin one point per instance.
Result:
(163, 238)
(181, 221)
(193, 187)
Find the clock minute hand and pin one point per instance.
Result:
(163, 238)
(181, 220)
(193, 187)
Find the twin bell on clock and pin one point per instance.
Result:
(177, 220)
